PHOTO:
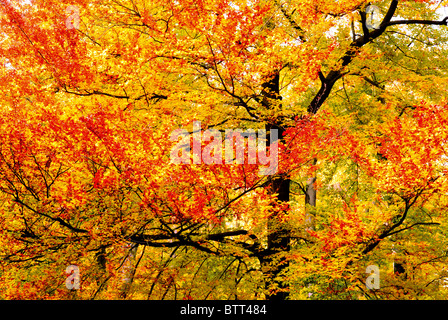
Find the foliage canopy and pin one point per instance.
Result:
(86, 114)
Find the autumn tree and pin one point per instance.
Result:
(350, 92)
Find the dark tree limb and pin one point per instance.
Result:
(178, 240)
(327, 82)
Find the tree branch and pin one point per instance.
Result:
(412, 225)
(444, 22)
(328, 82)
(183, 240)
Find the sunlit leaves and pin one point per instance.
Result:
(85, 173)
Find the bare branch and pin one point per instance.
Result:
(444, 22)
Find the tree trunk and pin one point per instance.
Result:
(278, 233)
(310, 200)
(278, 241)
(102, 277)
(129, 268)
